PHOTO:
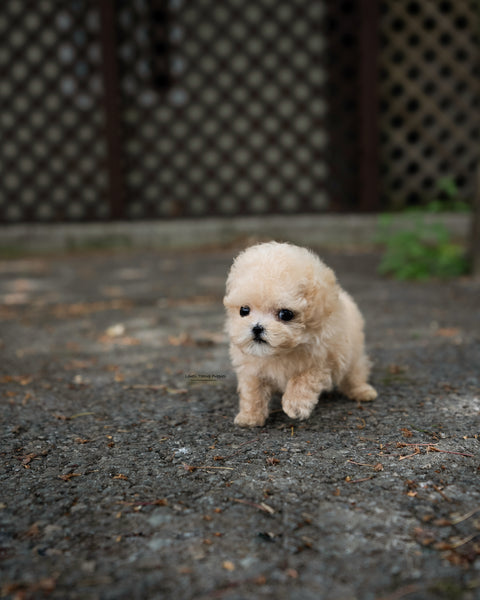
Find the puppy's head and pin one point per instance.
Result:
(278, 296)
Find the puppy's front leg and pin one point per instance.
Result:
(302, 393)
(254, 398)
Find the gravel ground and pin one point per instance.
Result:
(122, 475)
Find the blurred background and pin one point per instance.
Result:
(136, 109)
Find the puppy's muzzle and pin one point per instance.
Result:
(257, 331)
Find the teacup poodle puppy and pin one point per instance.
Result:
(292, 329)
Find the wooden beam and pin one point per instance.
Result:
(369, 183)
(112, 103)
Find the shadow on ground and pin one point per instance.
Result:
(122, 475)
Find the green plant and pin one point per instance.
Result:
(418, 249)
(449, 197)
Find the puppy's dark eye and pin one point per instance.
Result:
(244, 311)
(285, 315)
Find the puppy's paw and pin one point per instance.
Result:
(364, 393)
(297, 409)
(248, 419)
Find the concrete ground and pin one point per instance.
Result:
(122, 475)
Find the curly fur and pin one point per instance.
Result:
(321, 347)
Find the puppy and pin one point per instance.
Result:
(292, 329)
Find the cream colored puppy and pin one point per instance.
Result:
(292, 329)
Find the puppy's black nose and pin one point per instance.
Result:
(257, 330)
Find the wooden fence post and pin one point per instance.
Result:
(113, 121)
(368, 193)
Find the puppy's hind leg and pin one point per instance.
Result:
(354, 384)
(254, 400)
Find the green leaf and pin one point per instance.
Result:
(448, 186)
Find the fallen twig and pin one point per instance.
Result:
(467, 454)
(465, 516)
(444, 496)
(430, 448)
(69, 476)
(417, 451)
(402, 444)
(376, 467)
(262, 506)
(359, 480)
(192, 468)
(69, 418)
(469, 538)
(159, 502)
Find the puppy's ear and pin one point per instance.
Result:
(227, 300)
(321, 295)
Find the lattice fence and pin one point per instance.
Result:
(52, 138)
(232, 107)
(230, 118)
(430, 98)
